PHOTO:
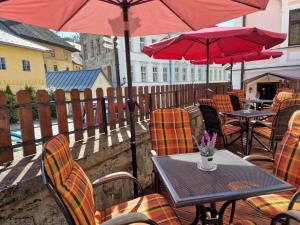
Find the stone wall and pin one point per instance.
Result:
(29, 202)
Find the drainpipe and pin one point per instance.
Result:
(170, 66)
(243, 63)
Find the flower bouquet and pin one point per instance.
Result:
(207, 150)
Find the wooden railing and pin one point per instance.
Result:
(94, 112)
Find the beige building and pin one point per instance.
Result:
(280, 16)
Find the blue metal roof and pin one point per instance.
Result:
(68, 80)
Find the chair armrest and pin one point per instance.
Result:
(252, 158)
(259, 123)
(153, 153)
(288, 215)
(129, 219)
(118, 176)
(293, 200)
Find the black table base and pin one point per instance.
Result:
(210, 215)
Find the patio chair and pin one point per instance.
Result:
(222, 103)
(285, 89)
(286, 167)
(235, 102)
(205, 101)
(171, 132)
(73, 192)
(240, 94)
(214, 124)
(278, 99)
(275, 130)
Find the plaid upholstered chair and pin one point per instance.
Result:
(279, 98)
(274, 131)
(171, 131)
(240, 94)
(215, 124)
(73, 192)
(286, 167)
(222, 103)
(283, 89)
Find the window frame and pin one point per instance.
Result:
(177, 74)
(165, 74)
(155, 73)
(184, 74)
(290, 23)
(143, 73)
(142, 43)
(26, 68)
(3, 65)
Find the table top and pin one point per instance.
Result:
(249, 113)
(234, 179)
(258, 101)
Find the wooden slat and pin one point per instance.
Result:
(157, 89)
(136, 109)
(89, 111)
(44, 114)
(99, 110)
(6, 155)
(77, 114)
(120, 102)
(163, 96)
(153, 103)
(146, 98)
(26, 122)
(141, 103)
(111, 108)
(61, 112)
(167, 89)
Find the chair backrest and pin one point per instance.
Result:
(211, 119)
(68, 183)
(235, 102)
(171, 131)
(287, 158)
(222, 103)
(240, 94)
(281, 120)
(279, 98)
(205, 101)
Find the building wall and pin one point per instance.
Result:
(14, 76)
(274, 18)
(59, 56)
(138, 59)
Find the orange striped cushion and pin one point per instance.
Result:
(287, 158)
(284, 90)
(279, 98)
(205, 101)
(289, 102)
(154, 206)
(273, 204)
(69, 180)
(222, 103)
(171, 131)
(231, 129)
(263, 131)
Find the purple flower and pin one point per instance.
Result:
(206, 136)
(202, 144)
(213, 140)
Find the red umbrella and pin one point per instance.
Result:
(127, 17)
(253, 56)
(214, 42)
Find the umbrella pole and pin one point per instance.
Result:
(207, 68)
(130, 101)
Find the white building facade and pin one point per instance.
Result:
(147, 71)
(280, 16)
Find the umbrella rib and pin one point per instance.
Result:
(112, 2)
(139, 2)
(187, 49)
(185, 22)
(247, 4)
(74, 13)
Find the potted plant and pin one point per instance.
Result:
(207, 150)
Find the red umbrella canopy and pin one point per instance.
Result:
(222, 42)
(253, 56)
(145, 16)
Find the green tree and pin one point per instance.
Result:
(32, 93)
(11, 101)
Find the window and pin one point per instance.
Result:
(53, 53)
(165, 74)
(200, 75)
(210, 74)
(92, 49)
(193, 74)
(154, 73)
(216, 74)
(55, 67)
(294, 27)
(26, 65)
(184, 74)
(177, 74)
(143, 74)
(220, 75)
(2, 63)
(85, 55)
(142, 43)
(67, 69)
(98, 47)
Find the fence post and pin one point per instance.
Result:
(77, 114)
(150, 102)
(61, 112)
(89, 112)
(176, 98)
(104, 115)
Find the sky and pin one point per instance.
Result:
(71, 34)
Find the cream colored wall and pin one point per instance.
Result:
(14, 76)
(100, 82)
(62, 58)
(265, 79)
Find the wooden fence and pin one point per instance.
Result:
(90, 113)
